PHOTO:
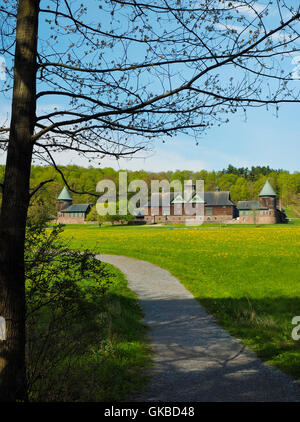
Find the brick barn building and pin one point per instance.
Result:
(218, 208)
(264, 211)
(69, 213)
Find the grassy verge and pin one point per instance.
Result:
(247, 277)
(124, 352)
(293, 213)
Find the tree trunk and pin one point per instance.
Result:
(15, 204)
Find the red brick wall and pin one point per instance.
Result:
(61, 205)
(216, 211)
(264, 217)
(268, 202)
(70, 220)
(220, 210)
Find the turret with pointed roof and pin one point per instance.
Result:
(64, 195)
(267, 196)
(267, 190)
(64, 199)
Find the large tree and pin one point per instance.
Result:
(104, 77)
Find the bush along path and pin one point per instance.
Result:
(85, 336)
(195, 359)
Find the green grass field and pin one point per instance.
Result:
(247, 277)
(123, 354)
(293, 212)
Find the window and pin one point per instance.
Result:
(246, 212)
(208, 211)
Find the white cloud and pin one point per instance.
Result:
(159, 160)
(278, 36)
(250, 10)
(236, 28)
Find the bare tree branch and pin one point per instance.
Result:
(40, 185)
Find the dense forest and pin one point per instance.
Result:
(243, 183)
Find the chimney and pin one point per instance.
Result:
(188, 189)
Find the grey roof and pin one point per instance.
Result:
(217, 198)
(250, 205)
(64, 195)
(77, 208)
(210, 198)
(267, 190)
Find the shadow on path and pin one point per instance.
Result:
(195, 359)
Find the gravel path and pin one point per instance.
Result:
(195, 359)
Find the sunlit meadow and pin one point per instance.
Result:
(247, 277)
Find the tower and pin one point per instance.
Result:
(267, 196)
(64, 200)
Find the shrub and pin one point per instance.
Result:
(64, 292)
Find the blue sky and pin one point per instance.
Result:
(261, 140)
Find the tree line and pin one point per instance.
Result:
(243, 183)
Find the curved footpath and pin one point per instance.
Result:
(195, 359)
